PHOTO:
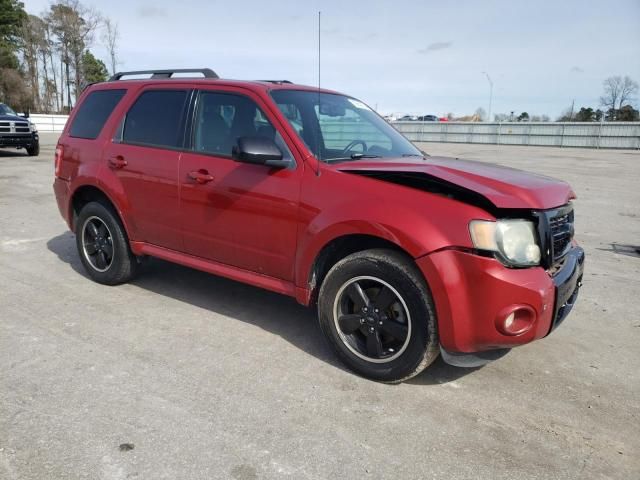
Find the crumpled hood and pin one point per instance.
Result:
(504, 187)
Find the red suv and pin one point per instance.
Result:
(311, 194)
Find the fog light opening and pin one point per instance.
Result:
(508, 322)
(515, 320)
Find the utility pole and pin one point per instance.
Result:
(571, 114)
(490, 95)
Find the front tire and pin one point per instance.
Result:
(377, 312)
(103, 245)
(34, 150)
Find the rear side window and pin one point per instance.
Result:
(94, 112)
(155, 119)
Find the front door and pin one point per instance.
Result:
(236, 213)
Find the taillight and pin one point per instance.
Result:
(58, 160)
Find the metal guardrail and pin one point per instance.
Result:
(550, 134)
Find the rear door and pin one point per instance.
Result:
(238, 214)
(144, 159)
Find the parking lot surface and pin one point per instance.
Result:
(183, 375)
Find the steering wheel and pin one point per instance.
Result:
(349, 147)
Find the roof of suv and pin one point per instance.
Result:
(208, 77)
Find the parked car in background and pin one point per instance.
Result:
(17, 131)
(429, 118)
(405, 256)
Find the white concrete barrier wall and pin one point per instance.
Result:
(549, 134)
(49, 123)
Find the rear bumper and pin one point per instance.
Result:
(61, 189)
(474, 294)
(19, 140)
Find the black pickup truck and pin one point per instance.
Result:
(18, 132)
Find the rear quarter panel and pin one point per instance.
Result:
(83, 161)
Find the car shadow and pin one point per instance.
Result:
(278, 314)
(440, 372)
(12, 152)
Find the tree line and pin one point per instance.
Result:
(45, 61)
(616, 102)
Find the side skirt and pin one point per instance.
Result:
(216, 268)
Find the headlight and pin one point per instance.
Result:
(34, 129)
(514, 241)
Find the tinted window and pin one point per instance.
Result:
(223, 118)
(338, 128)
(94, 112)
(156, 119)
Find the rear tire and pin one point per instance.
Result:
(377, 313)
(103, 245)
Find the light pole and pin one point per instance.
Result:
(490, 94)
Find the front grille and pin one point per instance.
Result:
(14, 127)
(562, 229)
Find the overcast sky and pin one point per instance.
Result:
(402, 56)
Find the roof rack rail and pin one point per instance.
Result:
(275, 81)
(156, 74)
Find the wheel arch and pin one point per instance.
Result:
(86, 193)
(338, 248)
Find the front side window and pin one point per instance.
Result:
(336, 127)
(94, 112)
(156, 119)
(222, 118)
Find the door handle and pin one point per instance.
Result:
(201, 176)
(117, 162)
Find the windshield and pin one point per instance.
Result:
(5, 110)
(337, 128)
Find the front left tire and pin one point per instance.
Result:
(34, 150)
(377, 313)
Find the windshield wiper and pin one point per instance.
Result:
(354, 156)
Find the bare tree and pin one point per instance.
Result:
(49, 48)
(628, 89)
(73, 24)
(85, 23)
(32, 34)
(617, 91)
(59, 28)
(480, 115)
(110, 39)
(50, 98)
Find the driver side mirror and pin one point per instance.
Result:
(259, 151)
